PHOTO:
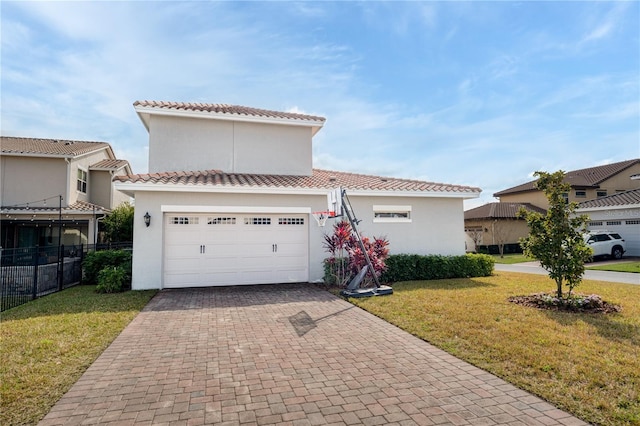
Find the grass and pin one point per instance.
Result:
(619, 267)
(586, 364)
(509, 259)
(47, 344)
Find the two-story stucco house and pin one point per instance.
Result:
(589, 184)
(49, 186)
(231, 189)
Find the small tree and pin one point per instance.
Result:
(475, 233)
(556, 239)
(118, 225)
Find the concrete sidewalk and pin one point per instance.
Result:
(535, 268)
(284, 354)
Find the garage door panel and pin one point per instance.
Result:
(182, 280)
(180, 264)
(236, 249)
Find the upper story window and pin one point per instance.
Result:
(82, 181)
(581, 194)
(391, 213)
(601, 193)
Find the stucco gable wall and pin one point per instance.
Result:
(185, 144)
(84, 163)
(25, 179)
(622, 181)
(537, 198)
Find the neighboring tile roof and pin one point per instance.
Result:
(109, 165)
(500, 211)
(54, 147)
(320, 179)
(226, 109)
(77, 207)
(621, 199)
(583, 178)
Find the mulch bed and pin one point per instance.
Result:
(576, 303)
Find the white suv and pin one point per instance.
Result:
(605, 243)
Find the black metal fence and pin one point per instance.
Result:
(32, 272)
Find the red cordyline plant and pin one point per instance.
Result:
(347, 259)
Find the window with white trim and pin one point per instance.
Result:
(595, 223)
(82, 181)
(632, 222)
(391, 213)
(581, 194)
(614, 222)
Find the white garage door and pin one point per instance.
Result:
(204, 250)
(629, 230)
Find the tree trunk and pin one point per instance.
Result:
(559, 284)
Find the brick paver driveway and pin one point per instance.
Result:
(284, 354)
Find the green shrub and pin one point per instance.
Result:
(111, 280)
(96, 261)
(413, 267)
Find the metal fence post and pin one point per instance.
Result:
(61, 268)
(36, 261)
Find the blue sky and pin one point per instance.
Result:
(471, 93)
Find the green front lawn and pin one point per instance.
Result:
(509, 259)
(619, 267)
(586, 364)
(47, 344)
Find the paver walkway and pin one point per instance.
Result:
(284, 354)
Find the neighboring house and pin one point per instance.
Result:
(494, 224)
(51, 186)
(586, 184)
(616, 213)
(231, 189)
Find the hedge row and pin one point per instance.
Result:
(413, 267)
(109, 269)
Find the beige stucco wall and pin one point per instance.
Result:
(100, 187)
(25, 179)
(537, 198)
(83, 162)
(436, 226)
(187, 144)
(508, 230)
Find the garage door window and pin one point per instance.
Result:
(184, 220)
(257, 221)
(290, 221)
(221, 221)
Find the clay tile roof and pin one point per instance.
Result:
(77, 207)
(109, 165)
(227, 109)
(626, 198)
(500, 211)
(583, 178)
(320, 179)
(55, 147)
(83, 206)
